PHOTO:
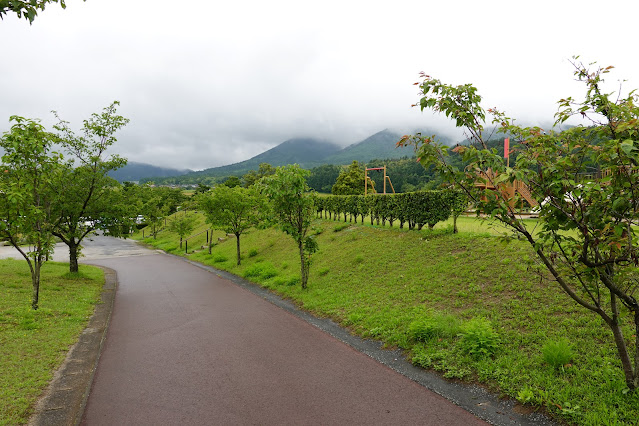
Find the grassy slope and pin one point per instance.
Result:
(377, 281)
(33, 344)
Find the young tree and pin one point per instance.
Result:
(350, 181)
(252, 177)
(293, 209)
(153, 211)
(233, 210)
(27, 195)
(85, 197)
(182, 225)
(458, 202)
(586, 181)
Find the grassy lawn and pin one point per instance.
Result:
(33, 344)
(386, 283)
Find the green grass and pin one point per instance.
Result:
(380, 282)
(33, 344)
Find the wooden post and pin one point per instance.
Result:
(186, 246)
(384, 179)
(207, 235)
(365, 180)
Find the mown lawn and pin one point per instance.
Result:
(33, 344)
(381, 281)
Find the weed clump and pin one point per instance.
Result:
(219, 258)
(557, 353)
(433, 326)
(261, 270)
(478, 338)
(341, 227)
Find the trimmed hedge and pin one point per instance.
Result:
(413, 208)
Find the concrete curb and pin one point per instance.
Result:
(64, 400)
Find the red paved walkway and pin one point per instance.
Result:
(187, 347)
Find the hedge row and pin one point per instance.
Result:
(414, 208)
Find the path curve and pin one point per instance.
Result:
(189, 344)
(188, 347)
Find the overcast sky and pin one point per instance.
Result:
(208, 83)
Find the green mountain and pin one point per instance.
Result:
(308, 153)
(133, 172)
(303, 151)
(380, 145)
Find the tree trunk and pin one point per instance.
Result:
(237, 240)
(455, 224)
(180, 243)
(636, 350)
(304, 266)
(35, 279)
(632, 379)
(73, 255)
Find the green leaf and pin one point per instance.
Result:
(627, 146)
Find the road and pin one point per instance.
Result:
(186, 346)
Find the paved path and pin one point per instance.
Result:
(96, 247)
(187, 347)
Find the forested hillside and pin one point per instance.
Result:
(133, 172)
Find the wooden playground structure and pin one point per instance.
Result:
(486, 179)
(368, 180)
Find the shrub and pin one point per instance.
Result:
(557, 353)
(478, 338)
(252, 253)
(323, 271)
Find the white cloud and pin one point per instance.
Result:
(207, 83)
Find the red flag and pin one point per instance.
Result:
(506, 147)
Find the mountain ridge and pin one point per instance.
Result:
(309, 153)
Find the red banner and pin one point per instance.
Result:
(506, 147)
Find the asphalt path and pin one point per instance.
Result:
(94, 247)
(186, 346)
